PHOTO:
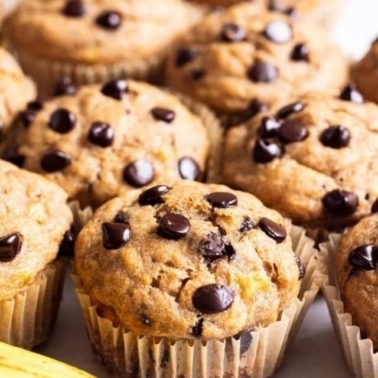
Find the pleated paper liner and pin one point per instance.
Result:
(254, 354)
(359, 354)
(26, 319)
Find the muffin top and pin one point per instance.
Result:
(34, 218)
(98, 31)
(249, 57)
(16, 90)
(194, 260)
(103, 140)
(314, 160)
(356, 270)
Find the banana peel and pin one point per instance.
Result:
(20, 363)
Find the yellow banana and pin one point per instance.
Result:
(20, 363)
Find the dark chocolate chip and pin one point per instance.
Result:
(197, 74)
(189, 169)
(34, 105)
(173, 226)
(266, 150)
(145, 320)
(54, 161)
(335, 137)
(273, 230)
(198, 328)
(247, 224)
(269, 127)
(64, 86)
(122, 217)
(163, 114)
(350, 93)
(153, 195)
(374, 208)
(110, 20)
(262, 72)
(278, 31)
(115, 235)
(115, 89)
(254, 108)
(66, 247)
(215, 246)
(364, 257)
(222, 200)
(232, 33)
(27, 116)
(300, 53)
(138, 173)
(340, 202)
(292, 130)
(245, 342)
(290, 109)
(62, 121)
(101, 134)
(10, 246)
(74, 8)
(301, 267)
(12, 155)
(185, 55)
(213, 298)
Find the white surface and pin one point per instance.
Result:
(315, 352)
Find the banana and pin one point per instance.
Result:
(20, 363)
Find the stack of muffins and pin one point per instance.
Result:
(177, 274)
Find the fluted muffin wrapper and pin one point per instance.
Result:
(80, 216)
(256, 353)
(26, 319)
(359, 354)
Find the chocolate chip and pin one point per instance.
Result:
(273, 230)
(290, 109)
(269, 127)
(62, 121)
(189, 169)
(54, 161)
(66, 247)
(145, 320)
(222, 200)
(74, 8)
(262, 72)
(101, 134)
(350, 93)
(335, 137)
(301, 267)
(292, 130)
(115, 89)
(34, 105)
(185, 55)
(340, 202)
(374, 208)
(247, 224)
(163, 114)
(215, 247)
(64, 86)
(232, 33)
(278, 31)
(110, 20)
(153, 195)
(198, 328)
(254, 108)
(364, 257)
(10, 246)
(266, 150)
(122, 217)
(197, 74)
(138, 173)
(27, 116)
(115, 235)
(300, 53)
(173, 226)
(213, 298)
(245, 342)
(12, 155)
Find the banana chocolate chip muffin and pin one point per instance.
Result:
(244, 59)
(103, 140)
(188, 262)
(95, 41)
(314, 160)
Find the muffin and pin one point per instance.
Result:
(104, 140)
(247, 58)
(314, 160)
(16, 91)
(189, 265)
(95, 41)
(34, 223)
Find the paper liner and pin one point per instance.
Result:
(25, 320)
(80, 216)
(359, 354)
(254, 354)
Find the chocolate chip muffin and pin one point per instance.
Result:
(34, 223)
(103, 140)
(192, 261)
(247, 58)
(95, 41)
(314, 160)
